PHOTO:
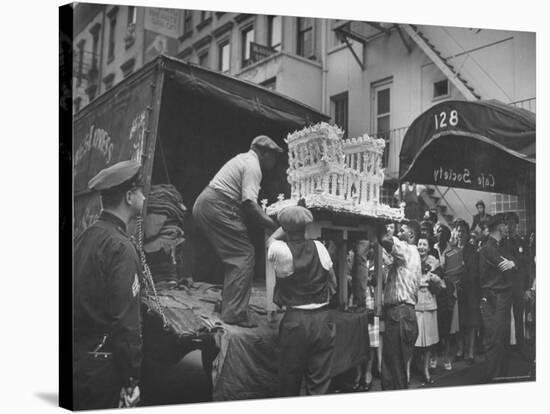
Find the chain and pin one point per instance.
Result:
(149, 282)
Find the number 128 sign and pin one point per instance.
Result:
(445, 119)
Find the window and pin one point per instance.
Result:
(112, 30)
(247, 36)
(305, 37)
(187, 22)
(132, 15)
(224, 55)
(205, 15)
(274, 32)
(203, 59)
(80, 62)
(129, 38)
(270, 84)
(339, 111)
(205, 19)
(381, 96)
(441, 89)
(93, 72)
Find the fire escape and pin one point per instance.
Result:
(363, 33)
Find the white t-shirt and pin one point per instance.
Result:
(240, 177)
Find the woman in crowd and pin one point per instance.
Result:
(468, 293)
(426, 307)
(454, 270)
(446, 300)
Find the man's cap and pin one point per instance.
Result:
(512, 216)
(495, 220)
(294, 218)
(124, 172)
(263, 141)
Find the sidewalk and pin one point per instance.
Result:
(464, 373)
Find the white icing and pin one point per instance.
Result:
(341, 175)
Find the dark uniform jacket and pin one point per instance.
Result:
(491, 278)
(107, 276)
(516, 249)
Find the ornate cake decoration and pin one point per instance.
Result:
(330, 172)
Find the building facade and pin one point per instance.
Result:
(371, 77)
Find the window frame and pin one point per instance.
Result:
(270, 31)
(201, 54)
(221, 45)
(300, 38)
(187, 22)
(112, 31)
(245, 47)
(377, 87)
(335, 101)
(442, 96)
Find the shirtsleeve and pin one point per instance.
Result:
(399, 251)
(324, 256)
(252, 177)
(281, 257)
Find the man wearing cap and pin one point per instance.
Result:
(496, 272)
(107, 273)
(480, 219)
(220, 212)
(516, 248)
(305, 284)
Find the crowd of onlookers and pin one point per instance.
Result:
(450, 297)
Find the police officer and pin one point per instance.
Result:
(107, 273)
(496, 273)
(305, 284)
(516, 248)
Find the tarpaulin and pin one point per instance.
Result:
(481, 145)
(246, 366)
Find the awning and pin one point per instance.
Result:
(480, 145)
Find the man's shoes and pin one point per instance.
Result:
(433, 363)
(447, 366)
(469, 361)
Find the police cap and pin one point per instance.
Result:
(263, 141)
(294, 218)
(495, 220)
(124, 172)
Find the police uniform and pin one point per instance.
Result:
(496, 288)
(515, 248)
(107, 320)
(304, 285)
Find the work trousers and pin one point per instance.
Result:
(97, 384)
(518, 307)
(306, 343)
(360, 273)
(220, 220)
(400, 334)
(495, 312)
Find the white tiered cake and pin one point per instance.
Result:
(341, 175)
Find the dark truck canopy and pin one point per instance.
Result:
(481, 145)
(183, 122)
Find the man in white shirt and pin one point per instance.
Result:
(220, 212)
(305, 284)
